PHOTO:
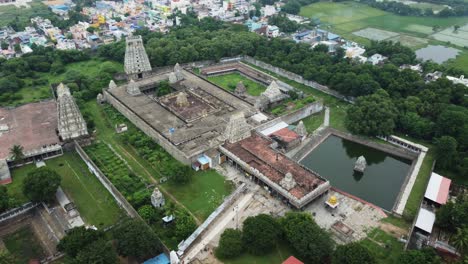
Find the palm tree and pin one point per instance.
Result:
(460, 239)
(17, 152)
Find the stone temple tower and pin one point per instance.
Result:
(71, 124)
(237, 128)
(137, 65)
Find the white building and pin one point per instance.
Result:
(376, 59)
(460, 80)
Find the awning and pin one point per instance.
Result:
(438, 189)
(274, 128)
(425, 220)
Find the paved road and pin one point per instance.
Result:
(219, 226)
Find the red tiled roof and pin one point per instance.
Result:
(292, 260)
(286, 135)
(256, 151)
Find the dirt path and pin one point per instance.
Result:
(393, 230)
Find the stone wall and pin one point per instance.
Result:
(295, 116)
(118, 197)
(147, 128)
(296, 78)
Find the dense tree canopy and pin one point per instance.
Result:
(313, 244)
(77, 239)
(40, 185)
(230, 244)
(453, 215)
(98, 252)
(134, 238)
(372, 115)
(260, 234)
(4, 199)
(423, 256)
(352, 253)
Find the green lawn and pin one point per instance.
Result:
(229, 82)
(94, 202)
(277, 256)
(313, 122)
(419, 187)
(385, 247)
(204, 194)
(23, 245)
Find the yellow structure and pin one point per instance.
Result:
(332, 202)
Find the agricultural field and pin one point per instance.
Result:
(353, 21)
(24, 245)
(229, 82)
(375, 34)
(94, 202)
(347, 17)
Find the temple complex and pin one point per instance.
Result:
(71, 123)
(136, 63)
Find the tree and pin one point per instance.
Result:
(40, 185)
(134, 238)
(77, 239)
(148, 213)
(99, 252)
(311, 242)
(455, 28)
(260, 234)
(372, 115)
(353, 253)
(4, 199)
(230, 244)
(16, 153)
(423, 256)
(185, 225)
(445, 151)
(6, 257)
(460, 239)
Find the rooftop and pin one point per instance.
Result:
(32, 126)
(256, 152)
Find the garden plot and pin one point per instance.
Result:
(409, 41)
(419, 29)
(459, 37)
(375, 34)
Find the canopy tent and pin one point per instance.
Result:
(438, 189)
(425, 220)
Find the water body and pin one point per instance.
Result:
(438, 54)
(380, 183)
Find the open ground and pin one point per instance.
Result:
(94, 202)
(229, 82)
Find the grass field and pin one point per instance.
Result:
(23, 245)
(278, 255)
(204, 194)
(383, 246)
(94, 202)
(313, 122)
(229, 82)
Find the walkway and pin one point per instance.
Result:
(218, 227)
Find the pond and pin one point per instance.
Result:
(381, 181)
(438, 54)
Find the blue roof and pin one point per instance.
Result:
(161, 259)
(332, 36)
(203, 160)
(303, 34)
(93, 37)
(61, 7)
